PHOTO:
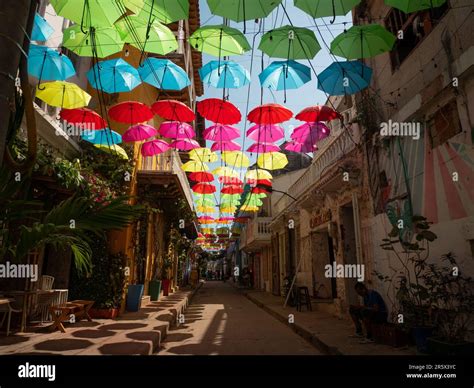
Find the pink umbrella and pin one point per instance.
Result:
(176, 130)
(220, 132)
(263, 147)
(301, 147)
(185, 144)
(310, 131)
(154, 147)
(138, 132)
(226, 146)
(266, 133)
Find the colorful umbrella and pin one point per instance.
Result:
(235, 158)
(42, 30)
(363, 42)
(166, 11)
(343, 78)
(194, 166)
(88, 13)
(130, 112)
(204, 202)
(220, 132)
(113, 76)
(173, 110)
(269, 114)
(224, 74)
(225, 171)
(163, 74)
(219, 111)
(266, 133)
(228, 209)
(312, 132)
(45, 63)
(205, 209)
(226, 146)
(103, 136)
(203, 155)
(154, 147)
(290, 43)
(185, 144)
(176, 130)
(318, 113)
(249, 208)
(219, 41)
(113, 149)
(410, 6)
(139, 132)
(201, 176)
(272, 161)
(63, 94)
(93, 42)
(134, 5)
(258, 174)
(305, 147)
(204, 188)
(231, 189)
(263, 147)
(325, 8)
(83, 117)
(227, 180)
(241, 10)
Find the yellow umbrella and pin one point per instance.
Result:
(194, 166)
(63, 94)
(258, 174)
(225, 171)
(113, 149)
(272, 160)
(203, 155)
(205, 209)
(236, 158)
(228, 209)
(249, 208)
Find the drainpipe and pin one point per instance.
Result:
(358, 241)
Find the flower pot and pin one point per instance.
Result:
(394, 336)
(421, 335)
(103, 313)
(134, 297)
(165, 283)
(439, 347)
(154, 289)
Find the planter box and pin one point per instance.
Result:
(104, 313)
(165, 283)
(134, 297)
(438, 347)
(389, 334)
(154, 289)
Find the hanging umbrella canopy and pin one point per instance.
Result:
(311, 132)
(263, 147)
(98, 42)
(269, 114)
(325, 8)
(153, 38)
(176, 130)
(227, 180)
(364, 41)
(219, 111)
(204, 188)
(203, 155)
(224, 74)
(289, 42)
(163, 74)
(232, 190)
(318, 113)
(173, 110)
(284, 75)
(228, 209)
(130, 112)
(249, 208)
(241, 10)
(410, 6)
(305, 147)
(139, 132)
(42, 30)
(134, 5)
(204, 202)
(226, 146)
(63, 94)
(344, 78)
(113, 76)
(83, 117)
(201, 177)
(113, 149)
(258, 174)
(103, 136)
(205, 218)
(205, 209)
(194, 166)
(230, 197)
(45, 63)
(258, 191)
(220, 132)
(225, 171)
(185, 144)
(219, 41)
(154, 147)
(266, 133)
(236, 158)
(166, 11)
(272, 161)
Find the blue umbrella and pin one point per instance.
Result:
(114, 76)
(342, 78)
(284, 75)
(103, 137)
(45, 63)
(224, 74)
(42, 30)
(163, 74)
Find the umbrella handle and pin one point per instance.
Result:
(333, 13)
(86, 4)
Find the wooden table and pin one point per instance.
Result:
(64, 313)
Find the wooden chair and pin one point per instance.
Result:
(46, 282)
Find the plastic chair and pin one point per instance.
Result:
(46, 282)
(8, 309)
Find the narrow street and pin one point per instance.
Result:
(221, 321)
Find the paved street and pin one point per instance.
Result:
(221, 321)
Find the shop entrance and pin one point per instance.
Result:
(322, 253)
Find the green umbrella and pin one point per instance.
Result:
(409, 6)
(325, 8)
(134, 5)
(153, 38)
(95, 13)
(165, 11)
(363, 42)
(241, 10)
(219, 41)
(100, 42)
(290, 43)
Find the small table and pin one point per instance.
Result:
(78, 308)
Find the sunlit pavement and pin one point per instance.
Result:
(221, 321)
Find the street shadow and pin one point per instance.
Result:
(152, 336)
(122, 326)
(93, 333)
(126, 348)
(13, 339)
(61, 345)
(178, 337)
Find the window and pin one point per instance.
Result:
(444, 124)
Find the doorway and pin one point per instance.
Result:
(275, 266)
(348, 238)
(322, 254)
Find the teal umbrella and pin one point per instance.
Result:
(409, 6)
(163, 74)
(42, 30)
(224, 74)
(45, 63)
(102, 136)
(325, 8)
(113, 76)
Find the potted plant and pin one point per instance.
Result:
(165, 273)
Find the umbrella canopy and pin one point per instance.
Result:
(269, 114)
(318, 113)
(258, 174)
(263, 147)
(194, 166)
(173, 110)
(204, 188)
(284, 75)
(42, 30)
(228, 209)
(236, 158)
(272, 161)
(166, 11)
(241, 10)
(93, 42)
(113, 76)
(204, 202)
(290, 43)
(266, 133)
(409, 6)
(224, 74)
(185, 144)
(176, 130)
(203, 155)
(363, 42)
(201, 176)
(88, 13)
(311, 132)
(219, 111)
(153, 38)
(249, 208)
(343, 78)
(63, 94)
(103, 136)
(130, 112)
(154, 147)
(301, 147)
(228, 180)
(219, 41)
(205, 209)
(225, 171)
(325, 8)
(220, 132)
(163, 74)
(139, 132)
(113, 149)
(45, 63)
(226, 146)
(83, 117)
(231, 189)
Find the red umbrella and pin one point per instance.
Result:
(219, 111)
(232, 189)
(318, 113)
(130, 112)
(269, 114)
(204, 188)
(264, 182)
(228, 180)
(201, 177)
(173, 110)
(258, 190)
(83, 117)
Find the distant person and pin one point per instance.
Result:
(374, 311)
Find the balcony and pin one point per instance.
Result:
(256, 234)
